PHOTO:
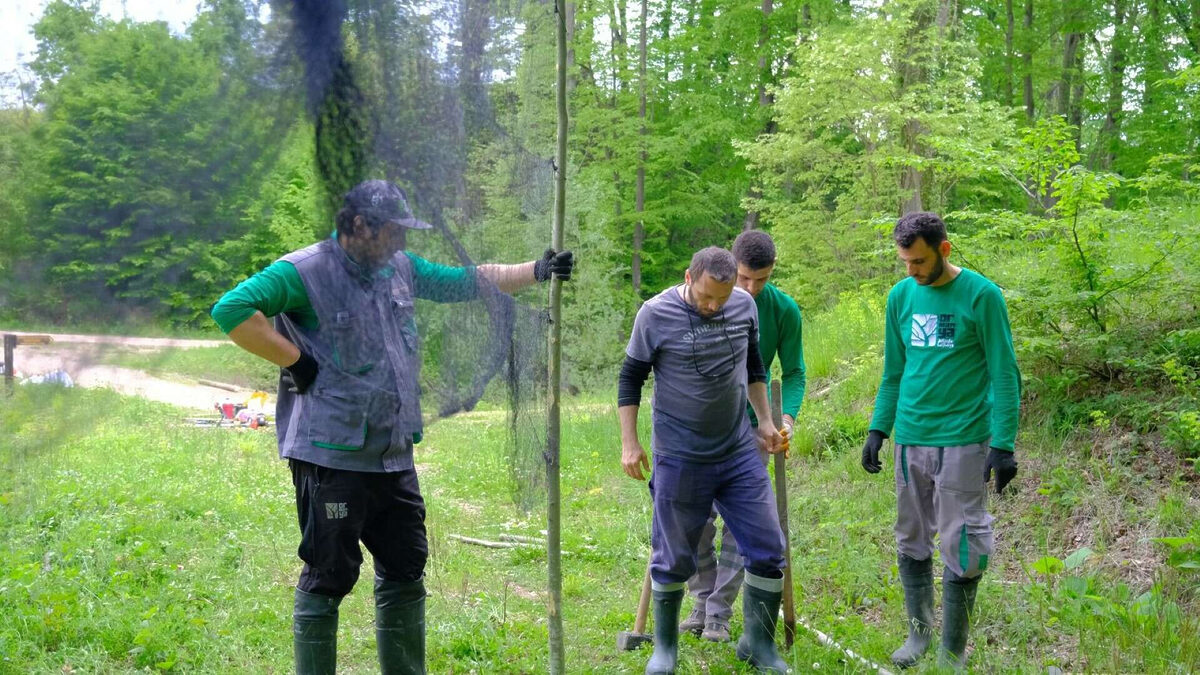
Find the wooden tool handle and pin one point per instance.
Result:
(789, 602)
(639, 623)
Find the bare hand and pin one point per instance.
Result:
(633, 460)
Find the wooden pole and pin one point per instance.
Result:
(553, 428)
(789, 601)
(10, 343)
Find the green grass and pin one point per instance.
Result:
(132, 543)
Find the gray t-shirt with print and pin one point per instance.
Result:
(699, 373)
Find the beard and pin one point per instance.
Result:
(939, 268)
(691, 302)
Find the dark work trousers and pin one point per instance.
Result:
(338, 508)
(684, 495)
(718, 579)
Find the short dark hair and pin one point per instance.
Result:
(716, 261)
(923, 224)
(754, 249)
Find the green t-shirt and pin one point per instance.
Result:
(278, 289)
(950, 374)
(780, 332)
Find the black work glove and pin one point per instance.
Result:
(1005, 464)
(299, 376)
(870, 453)
(558, 264)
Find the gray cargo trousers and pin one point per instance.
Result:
(941, 489)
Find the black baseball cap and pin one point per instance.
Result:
(384, 201)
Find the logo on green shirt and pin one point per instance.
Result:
(933, 330)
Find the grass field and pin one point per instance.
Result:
(131, 542)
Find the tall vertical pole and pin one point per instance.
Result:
(10, 344)
(553, 426)
(781, 503)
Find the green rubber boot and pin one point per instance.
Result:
(917, 578)
(958, 604)
(400, 626)
(666, 632)
(314, 633)
(760, 610)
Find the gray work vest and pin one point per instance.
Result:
(361, 412)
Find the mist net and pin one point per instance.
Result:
(263, 116)
(397, 91)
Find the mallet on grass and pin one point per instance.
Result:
(628, 641)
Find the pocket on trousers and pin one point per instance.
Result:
(978, 540)
(337, 422)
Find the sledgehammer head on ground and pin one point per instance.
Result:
(628, 641)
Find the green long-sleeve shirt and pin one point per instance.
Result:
(279, 290)
(950, 374)
(780, 332)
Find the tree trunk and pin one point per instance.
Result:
(1154, 63)
(639, 228)
(474, 33)
(1062, 89)
(1027, 60)
(912, 71)
(664, 26)
(1110, 133)
(617, 54)
(620, 46)
(765, 100)
(1009, 27)
(1187, 14)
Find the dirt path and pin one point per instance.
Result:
(80, 356)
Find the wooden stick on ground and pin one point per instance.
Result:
(832, 644)
(485, 543)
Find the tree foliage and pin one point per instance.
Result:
(1058, 138)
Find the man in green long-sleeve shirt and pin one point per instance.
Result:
(950, 397)
(717, 579)
(349, 409)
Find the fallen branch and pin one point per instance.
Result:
(485, 543)
(219, 385)
(832, 644)
(522, 539)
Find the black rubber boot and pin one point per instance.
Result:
(958, 605)
(314, 633)
(400, 626)
(760, 610)
(666, 632)
(917, 578)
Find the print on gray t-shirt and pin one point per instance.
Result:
(699, 373)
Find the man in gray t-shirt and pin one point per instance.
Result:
(701, 341)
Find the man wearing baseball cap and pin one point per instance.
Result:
(348, 413)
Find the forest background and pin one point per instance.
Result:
(143, 172)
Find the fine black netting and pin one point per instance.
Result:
(164, 199)
(385, 116)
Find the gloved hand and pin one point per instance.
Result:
(870, 451)
(559, 264)
(299, 376)
(1005, 464)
